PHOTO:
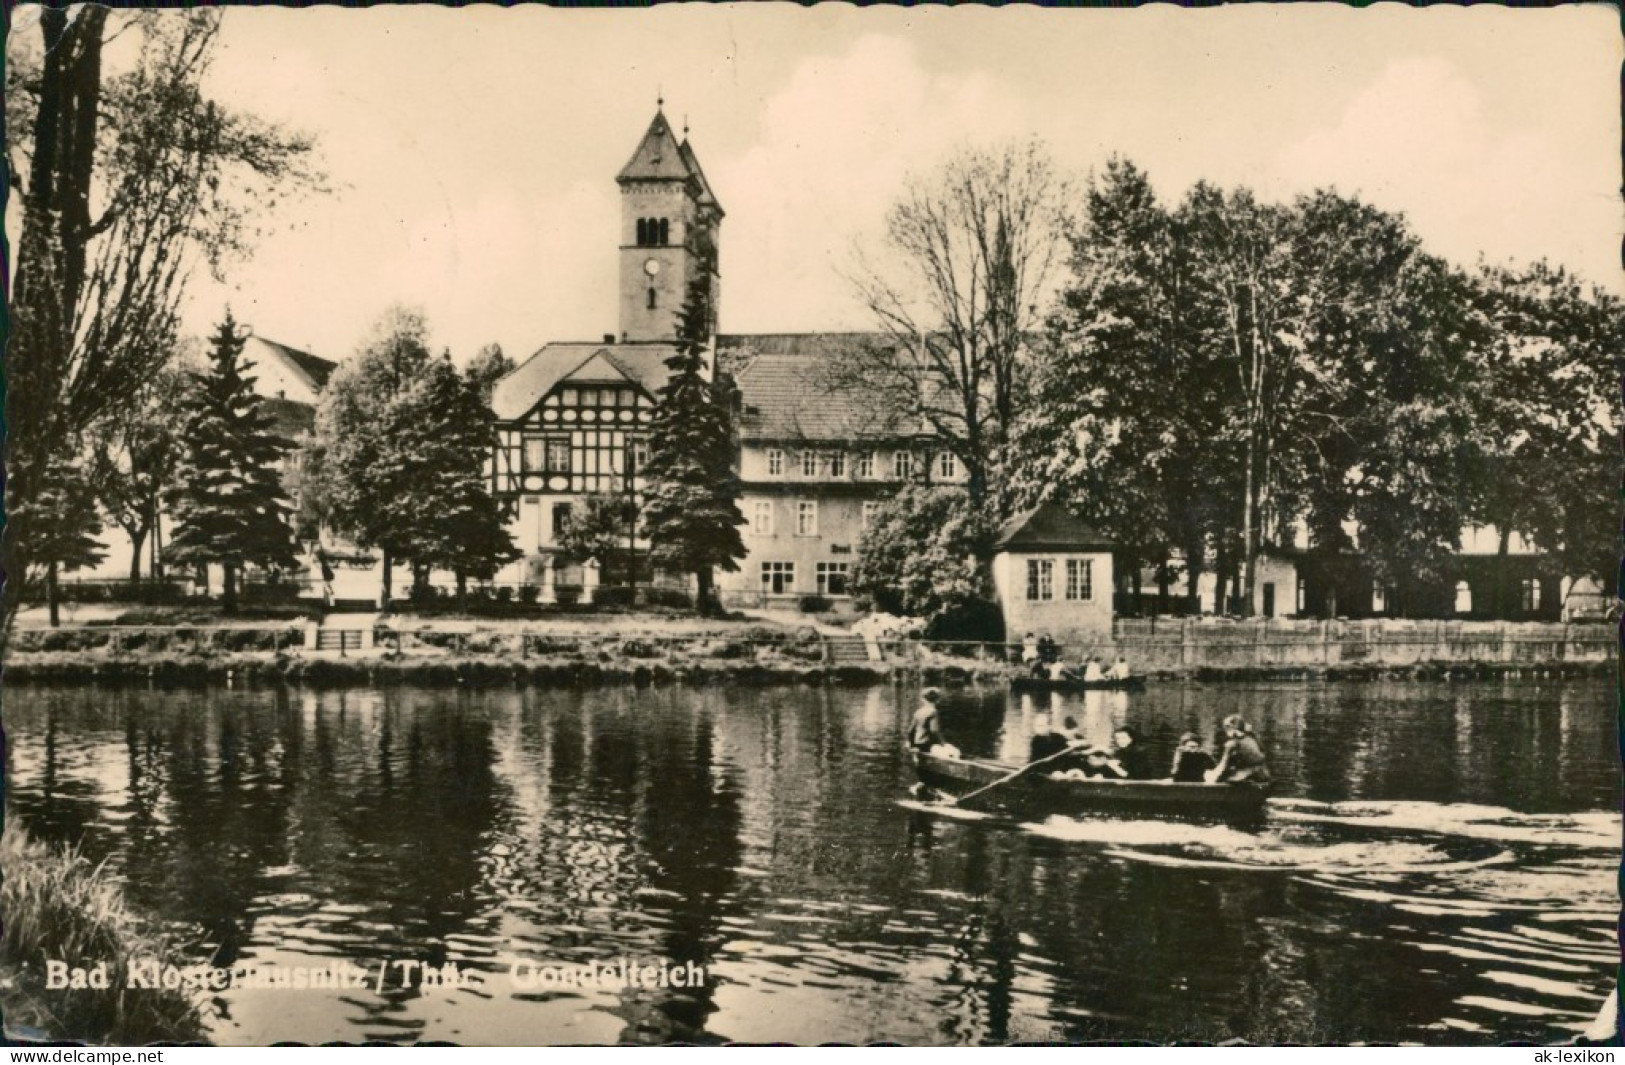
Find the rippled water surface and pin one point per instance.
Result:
(1438, 864)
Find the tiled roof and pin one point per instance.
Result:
(317, 369)
(1049, 526)
(791, 387)
(523, 388)
(658, 156)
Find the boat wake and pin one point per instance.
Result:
(1286, 848)
(1591, 830)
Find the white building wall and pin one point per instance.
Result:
(1076, 624)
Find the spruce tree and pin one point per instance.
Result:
(691, 505)
(228, 505)
(63, 526)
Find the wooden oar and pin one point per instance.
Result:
(1023, 771)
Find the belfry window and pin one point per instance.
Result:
(664, 234)
(651, 297)
(643, 231)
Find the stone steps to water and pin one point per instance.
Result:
(847, 649)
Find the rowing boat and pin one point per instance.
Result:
(1038, 793)
(1034, 685)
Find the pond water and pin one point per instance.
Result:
(1438, 863)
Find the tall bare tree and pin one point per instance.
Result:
(970, 254)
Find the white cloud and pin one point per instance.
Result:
(838, 142)
(1418, 139)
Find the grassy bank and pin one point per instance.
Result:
(58, 906)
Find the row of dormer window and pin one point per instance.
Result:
(862, 465)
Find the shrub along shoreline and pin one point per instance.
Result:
(59, 907)
(595, 667)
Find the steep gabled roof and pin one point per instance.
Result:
(658, 156)
(529, 383)
(314, 368)
(1049, 526)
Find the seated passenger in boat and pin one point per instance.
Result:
(1191, 763)
(1029, 649)
(1048, 649)
(1099, 764)
(1243, 758)
(1119, 670)
(1058, 670)
(1046, 742)
(1130, 754)
(1091, 670)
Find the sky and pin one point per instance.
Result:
(473, 151)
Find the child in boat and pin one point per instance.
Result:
(1191, 763)
(1119, 670)
(1243, 757)
(1091, 670)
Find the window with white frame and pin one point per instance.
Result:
(837, 463)
(947, 466)
(761, 517)
(809, 464)
(1531, 595)
(535, 454)
(1379, 598)
(775, 462)
(1040, 579)
(1464, 597)
(902, 465)
(558, 454)
(863, 466)
(832, 578)
(1303, 595)
(1080, 578)
(778, 578)
(870, 510)
(807, 517)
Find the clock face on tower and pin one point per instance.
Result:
(651, 267)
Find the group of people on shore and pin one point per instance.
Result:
(1042, 657)
(1070, 756)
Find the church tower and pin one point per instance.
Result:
(669, 226)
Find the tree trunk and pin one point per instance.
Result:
(1162, 587)
(228, 587)
(1221, 566)
(705, 593)
(1501, 551)
(51, 599)
(389, 579)
(462, 591)
(138, 540)
(157, 567)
